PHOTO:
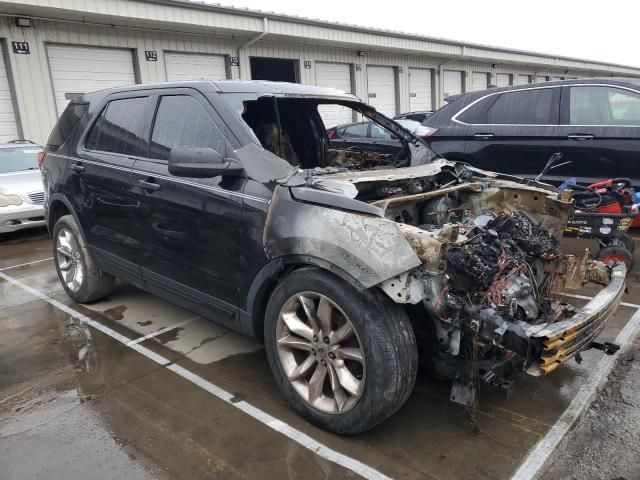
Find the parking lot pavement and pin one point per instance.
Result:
(130, 387)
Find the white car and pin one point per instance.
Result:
(21, 190)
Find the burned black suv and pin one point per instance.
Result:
(228, 199)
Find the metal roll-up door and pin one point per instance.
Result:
(334, 75)
(540, 79)
(452, 83)
(76, 70)
(420, 96)
(381, 87)
(479, 81)
(523, 79)
(195, 66)
(503, 79)
(8, 124)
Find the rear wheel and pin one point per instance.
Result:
(80, 277)
(616, 254)
(346, 360)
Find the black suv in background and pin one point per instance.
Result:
(594, 123)
(228, 198)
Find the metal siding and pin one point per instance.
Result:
(420, 92)
(382, 89)
(334, 75)
(479, 81)
(452, 83)
(8, 124)
(77, 69)
(194, 66)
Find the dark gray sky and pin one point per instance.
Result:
(595, 30)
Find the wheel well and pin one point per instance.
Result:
(56, 210)
(263, 294)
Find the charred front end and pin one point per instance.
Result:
(473, 255)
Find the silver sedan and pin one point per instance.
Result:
(21, 190)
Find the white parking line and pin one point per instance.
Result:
(585, 297)
(278, 425)
(25, 264)
(160, 331)
(537, 457)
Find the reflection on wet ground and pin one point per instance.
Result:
(75, 403)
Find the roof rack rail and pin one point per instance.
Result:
(21, 140)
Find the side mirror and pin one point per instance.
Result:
(200, 162)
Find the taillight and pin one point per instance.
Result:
(41, 155)
(423, 131)
(331, 133)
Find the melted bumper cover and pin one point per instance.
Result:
(561, 341)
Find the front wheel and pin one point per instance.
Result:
(81, 278)
(345, 359)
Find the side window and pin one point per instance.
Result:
(380, 133)
(357, 130)
(603, 106)
(473, 114)
(528, 107)
(119, 128)
(181, 121)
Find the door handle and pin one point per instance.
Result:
(580, 136)
(77, 167)
(483, 136)
(149, 186)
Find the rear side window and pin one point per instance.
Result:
(357, 130)
(181, 121)
(119, 129)
(528, 107)
(603, 106)
(67, 123)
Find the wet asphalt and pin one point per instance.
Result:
(75, 403)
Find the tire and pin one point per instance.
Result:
(383, 335)
(80, 277)
(616, 254)
(628, 242)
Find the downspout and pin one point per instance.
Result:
(260, 36)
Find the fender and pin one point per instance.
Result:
(59, 197)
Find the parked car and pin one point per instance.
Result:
(594, 123)
(371, 136)
(225, 198)
(21, 191)
(419, 116)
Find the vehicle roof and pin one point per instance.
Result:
(232, 86)
(622, 81)
(25, 144)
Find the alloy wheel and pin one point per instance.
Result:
(69, 260)
(320, 352)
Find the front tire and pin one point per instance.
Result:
(80, 277)
(344, 359)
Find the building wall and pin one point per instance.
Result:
(33, 87)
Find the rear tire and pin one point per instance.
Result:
(380, 355)
(80, 277)
(616, 254)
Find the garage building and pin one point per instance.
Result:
(53, 50)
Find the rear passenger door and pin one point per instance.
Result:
(192, 226)
(600, 132)
(513, 132)
(102, 187)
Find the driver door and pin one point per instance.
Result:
(191, 226)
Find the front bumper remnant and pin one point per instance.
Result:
(563, 340)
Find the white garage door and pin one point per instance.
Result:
(503, 79)
(194, 66)
(452, 83)
(420, 89)
(334, 75)
(381, 85)
(523, 79)
(76, 70)
(8, 125)
(540, 79)
(479, 81)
